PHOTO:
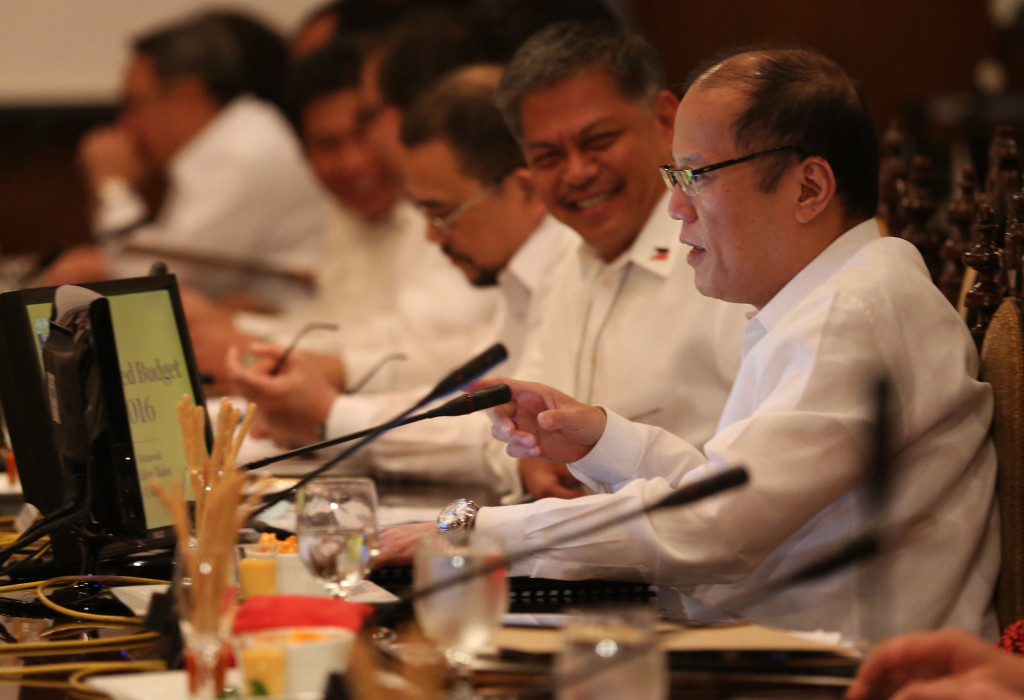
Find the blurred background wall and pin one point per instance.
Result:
(920, 62)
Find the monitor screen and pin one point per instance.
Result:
(154, 376)
(156, 367)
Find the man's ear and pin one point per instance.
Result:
(664, 111)
(521, 180)
(189, 87)
(817, 188)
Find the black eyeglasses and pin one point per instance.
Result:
(687, 178)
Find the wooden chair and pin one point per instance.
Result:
(1002, 366)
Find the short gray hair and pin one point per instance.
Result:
(565, 49)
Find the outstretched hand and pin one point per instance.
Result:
(543, 422)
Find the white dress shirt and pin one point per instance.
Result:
(391, 292)
(239, 190)
(453, 449)
(799, 419)
(635, 335)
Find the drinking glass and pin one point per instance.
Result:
(336, 528)
(206, 594)
(610, 654)
(460, 618)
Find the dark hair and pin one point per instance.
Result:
(332, 68)
(205, 47)
(421, 49)
(798, 97)
(501, 26)
(265, 53)
(562, 50)
(461, 111)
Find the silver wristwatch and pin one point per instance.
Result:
(457, 515)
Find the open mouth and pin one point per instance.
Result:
(593, 201)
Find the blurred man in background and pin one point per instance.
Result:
(242, 217)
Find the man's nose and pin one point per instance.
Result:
(680, 206)
(580, 168)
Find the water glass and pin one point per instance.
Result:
(336, 528)
(611, 654)
(460, 618)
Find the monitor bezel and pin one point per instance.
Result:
(41, 463)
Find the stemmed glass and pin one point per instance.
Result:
(461, 618)
(336, 528)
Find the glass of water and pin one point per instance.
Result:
(336, 528)
(610, 654)
(460, 618)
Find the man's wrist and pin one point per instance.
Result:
(460, 514)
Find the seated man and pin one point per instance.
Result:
(594, 132)
(242, 215)
(465, 171)
(389, 290)
(775, 183)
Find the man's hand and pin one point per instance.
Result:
(108, 153)
(543, 422)
(942, 664)
(84, 263)
(548, 479)
(398, 544)
(294, 404)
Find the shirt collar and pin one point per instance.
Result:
(656, 246)
(207, 143)
(527, 264)
(816, 273)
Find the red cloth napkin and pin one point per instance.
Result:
(264, 612)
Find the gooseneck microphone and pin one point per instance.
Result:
(690, 493)
(473, 369)
(466, 373)
(459, 406)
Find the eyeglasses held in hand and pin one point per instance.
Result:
(315, 326)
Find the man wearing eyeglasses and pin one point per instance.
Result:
(775, 185)
(622, 322)
(465, 172)
(624, 325)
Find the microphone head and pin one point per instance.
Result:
(473, 369)
(470, 403)
(491, 396)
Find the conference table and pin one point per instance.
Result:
(509, 674)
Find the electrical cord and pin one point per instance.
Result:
(60, 580)
(79, 670)
(76, 679)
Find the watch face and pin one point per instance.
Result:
(456, 514)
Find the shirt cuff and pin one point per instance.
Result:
(118, 208)
(506, 527)
(616, 455)
(347, 415)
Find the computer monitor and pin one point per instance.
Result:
(146, 366)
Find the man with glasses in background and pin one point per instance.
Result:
(589, 107)
(389, 292)
(775, 182)
(464, 171)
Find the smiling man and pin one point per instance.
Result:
(624, 325)
(465, 172)
(775, 185)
